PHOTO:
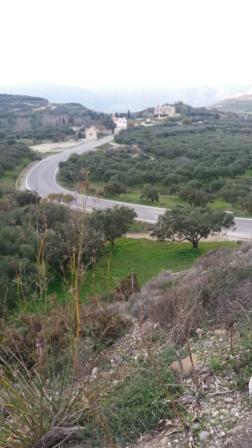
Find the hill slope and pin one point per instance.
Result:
(241, 104)
(24, 116)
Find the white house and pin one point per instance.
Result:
(120, 123)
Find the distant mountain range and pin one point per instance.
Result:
(134, 99)
(240, 104)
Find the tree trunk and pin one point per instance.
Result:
(195, 244)
(57, 435)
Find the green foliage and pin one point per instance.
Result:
(144, 257)
(11, 154)
(27, 198)
(214, 152)
(34, 236)
(150, 193)
(27, 117)
(195, 196)
(216, 365)
(114, 188)
(112, 223)
(139, 403)
(191, 224)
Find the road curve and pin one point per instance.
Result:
(42, 178)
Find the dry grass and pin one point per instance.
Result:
(218, 287)
(32, 407)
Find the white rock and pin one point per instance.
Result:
(94, 373)
(234, 412)
(220, 332)
(204, 436)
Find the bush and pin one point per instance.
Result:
(27, 198)
(139, 403)
(114, 188)
(150, 193)
(36, 411)
(103, 326)
(217, 288)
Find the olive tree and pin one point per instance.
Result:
(191, 224)
(112, 222)
(150, 193)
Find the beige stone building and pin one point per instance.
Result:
(166, 110)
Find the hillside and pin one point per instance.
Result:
(134, 384)
(199, 157)
(240, 104)
(36, 118)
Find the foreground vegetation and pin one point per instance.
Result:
(145, 258)
(118, 382)
(41, 241)
(13, 158)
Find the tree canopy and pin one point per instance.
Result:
(191, 224)
(150, 193)
(112, 223)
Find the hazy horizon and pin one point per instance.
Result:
(121, 100)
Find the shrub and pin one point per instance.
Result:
(218, 287)
(114, 188)
(103, 326)
(36, 412)
(138, 404)
(150, 193)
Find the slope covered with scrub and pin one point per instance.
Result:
(122, 383)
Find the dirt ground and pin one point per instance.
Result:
(58, 146)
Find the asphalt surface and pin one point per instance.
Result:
(42, 178)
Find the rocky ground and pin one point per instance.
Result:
(207, 396)
(217, 413)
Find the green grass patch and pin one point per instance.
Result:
(8, 180)
(164, 200)
(137, 404)
(139, 227)
(144, 257)
(220, 204)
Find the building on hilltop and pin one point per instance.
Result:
(91, 133)
(166, 110)
(120, 123)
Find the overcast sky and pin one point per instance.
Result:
(126, 43)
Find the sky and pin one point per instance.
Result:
(126, 43)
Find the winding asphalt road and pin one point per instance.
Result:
(42, 178)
